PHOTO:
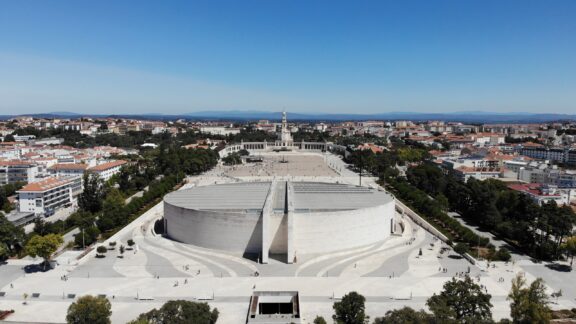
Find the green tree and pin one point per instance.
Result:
(461, 300)
(112, 210)
(44, 246)
(319, 320)
(529, 304)
(503, 254)
(124, 178)
(87, 236)
(9, 138)
(569, 247)
(405, 315)
(90, 199)
(11, 236)
(3, 197)
(232, 159)
(180, 312)
(81, 219)
(350, 310)
(101, 250)
(3, 252)
(89, 310)
(461, 248)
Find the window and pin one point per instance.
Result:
(38, 202)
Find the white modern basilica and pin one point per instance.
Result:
(285, 218)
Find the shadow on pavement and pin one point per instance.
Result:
(39, 267)
(559, 267)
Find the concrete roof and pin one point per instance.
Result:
(234, 196)
(315, 196)
(308, 197)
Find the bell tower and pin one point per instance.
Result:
(285, 135)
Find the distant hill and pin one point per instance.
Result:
(467, 117)
(476, 116)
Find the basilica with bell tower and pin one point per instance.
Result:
(285, 137)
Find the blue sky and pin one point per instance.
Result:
(303, 56)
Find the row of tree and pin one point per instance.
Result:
(98, 310)
(433, 210)
(460, 301)
(538, 230)
(132, 139)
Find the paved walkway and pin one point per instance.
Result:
(390, 274)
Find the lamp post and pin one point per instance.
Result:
(361, 165)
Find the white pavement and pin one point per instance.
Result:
(390, 274)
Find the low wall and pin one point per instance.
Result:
(420, 221)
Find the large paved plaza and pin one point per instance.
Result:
(390, 274)
(285, 164)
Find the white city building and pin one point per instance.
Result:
(108, 169)
(68, 169)
(18, 171)
(46, 196)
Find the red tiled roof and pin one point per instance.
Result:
(531, 188)
(14, 163)
(69, 166)
(467, 169)
(44, 185)
(530, 144)
(108, 165)
(11, 143)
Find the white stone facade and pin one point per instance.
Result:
(277, 230)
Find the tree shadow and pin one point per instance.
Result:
(559, 267)
(37, 267)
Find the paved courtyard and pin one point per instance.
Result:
(391, 273)
(284, 164)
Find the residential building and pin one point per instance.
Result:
(464, 173)
(67, 169)
(554, 154)
(479, 169)
(108, 169)
(17, 171)
(541, 194)
(46, 196)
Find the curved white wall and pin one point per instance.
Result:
(332, 231)
(313, 233)
(237, 232)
